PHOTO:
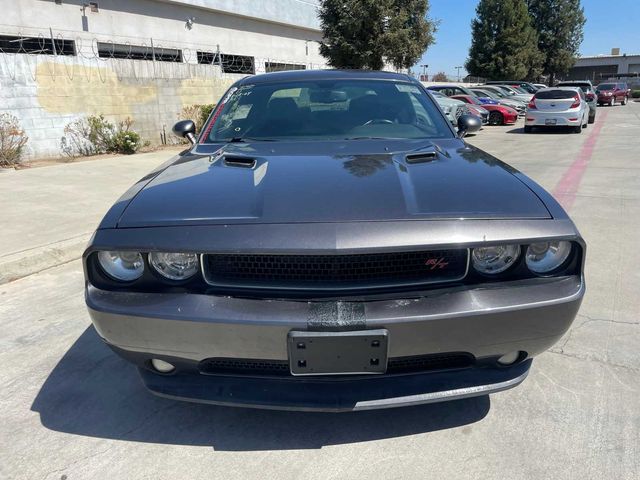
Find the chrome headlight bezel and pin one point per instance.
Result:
(121, 265)
(174, 266)
(494, 259)
(547, 257)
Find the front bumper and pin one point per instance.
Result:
(485, 321)
(335, 395)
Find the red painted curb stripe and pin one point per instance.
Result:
(567, 188)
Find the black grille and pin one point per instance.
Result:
(328, 272)
(398, 365)
(421, 363)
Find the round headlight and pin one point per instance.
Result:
(494, 259)
(122, 266)
(174, 266)
(545, 257)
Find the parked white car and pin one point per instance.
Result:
(558, 107)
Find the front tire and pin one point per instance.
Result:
(592, 118)
(577, 129)
(613, 101)
(496, 118)
(625, 100)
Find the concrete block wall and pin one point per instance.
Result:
(47, 92)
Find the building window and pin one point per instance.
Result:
(279, 67)
(36, 45)
(138, 52)
(230, 63)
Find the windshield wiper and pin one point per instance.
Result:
(249, 139)
(373, 138)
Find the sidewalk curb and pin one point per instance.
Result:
(22, 264)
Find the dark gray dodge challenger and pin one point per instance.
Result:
(329, 242)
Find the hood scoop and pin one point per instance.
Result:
(422, 157)
(239, 161)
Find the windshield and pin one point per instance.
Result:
(485, 93)
(607, 86)
(497, 93)
(326, 109)
(555, 94)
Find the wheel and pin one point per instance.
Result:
(496, 118)
(527, 129)
(592, 118)
(625, 100)
(613, 101)
(577, 129)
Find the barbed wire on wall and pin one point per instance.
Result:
(135, 60)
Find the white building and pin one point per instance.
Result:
(251, 35)
(605, 67)
(147, 60)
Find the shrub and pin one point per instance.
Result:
(440, 77)
(635, 93)
(125, 142)
(94, 135)
(12, 140)
(205, 111)
(197, 113)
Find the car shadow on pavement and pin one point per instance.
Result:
(544, 130)
(93, 392)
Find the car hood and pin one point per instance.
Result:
(333, 181)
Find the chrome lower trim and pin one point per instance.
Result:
(445, 395)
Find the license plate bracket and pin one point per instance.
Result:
(550, 121)
(338, 353)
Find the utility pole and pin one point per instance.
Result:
(458, 69)
(424, 71)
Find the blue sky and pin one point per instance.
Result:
(609, 24)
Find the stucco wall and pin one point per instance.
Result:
(46, 93)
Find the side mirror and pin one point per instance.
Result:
(186, 129)
(468, 124)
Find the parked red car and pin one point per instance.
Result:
(612, 93)
(498, 114)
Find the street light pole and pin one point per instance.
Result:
(424, 71)
(458, 68)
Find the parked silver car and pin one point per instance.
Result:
(590, 95)
(452, 108)
(515, 92)
(558, 107)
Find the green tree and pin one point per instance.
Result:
(559, 24)
(504, 44)
(366, 33)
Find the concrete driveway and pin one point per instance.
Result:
(72, 409)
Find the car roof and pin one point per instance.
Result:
(568, 87)
(574, 82)
(291, 75)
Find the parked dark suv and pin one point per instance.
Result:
(611, 93)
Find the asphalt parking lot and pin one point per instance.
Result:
(72, 409)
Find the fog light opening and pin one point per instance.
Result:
(509, 358)
(161, 366)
